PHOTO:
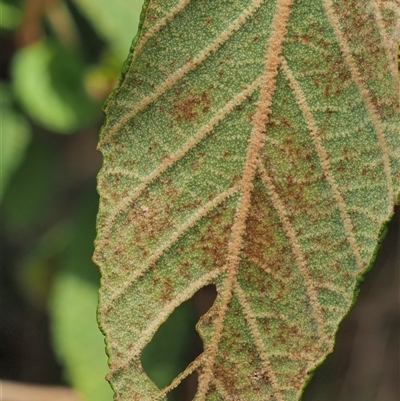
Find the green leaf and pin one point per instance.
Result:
(15, 137)
(10, 16)
(48, 81)
(253, 145)
(115, 21)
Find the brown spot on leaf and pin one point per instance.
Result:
(187, 107)
(167, 290)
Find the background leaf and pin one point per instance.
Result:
(15, 136)
(48, 81)
(115, 21)
(255, 147)
(57, 66)
(10, 15)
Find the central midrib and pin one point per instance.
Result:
(256, 142)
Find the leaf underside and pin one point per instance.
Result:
(253, 145)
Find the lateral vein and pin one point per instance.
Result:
(203, 211)
(312, 126)
(172, 159)
(162, 316)
(251, 320)
(356, 76)
(290, 234)
(182, 71)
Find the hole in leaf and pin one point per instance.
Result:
(176, 344)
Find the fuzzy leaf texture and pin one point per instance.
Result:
(253, 144)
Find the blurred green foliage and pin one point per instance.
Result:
(72, 305)
(10, 15)
(49, 84)
(15, 136)
(62, 60)
(116, 21)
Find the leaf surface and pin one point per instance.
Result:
(253, 145)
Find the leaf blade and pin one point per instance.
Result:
(232, 172)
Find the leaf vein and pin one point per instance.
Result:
(171, 160)
(147, 334)
(385, 40)
(290, 234)
(251, 320)
(256, 142)
(189, 370)
(365, 95)
(309, 119)
(181, 72)
(158, 26)
(222, 391)
(202, 212)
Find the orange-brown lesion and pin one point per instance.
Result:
(188, 107)
(262, 244)
(369, 49)
(151, 216)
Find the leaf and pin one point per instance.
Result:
(10, 16)
(115, 21)
(48, 81)
(15, 137)
(253, 145)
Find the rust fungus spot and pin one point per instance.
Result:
(188, 107)
(167, 291)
